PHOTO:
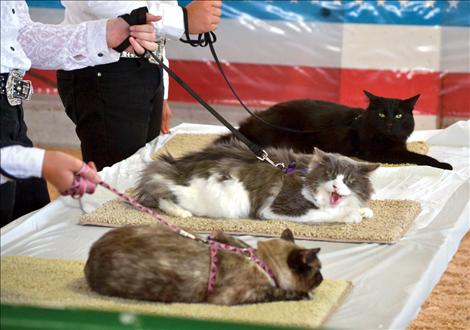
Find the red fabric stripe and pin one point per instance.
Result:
(263, 85)
(395, 84)
(455, 95)
(257, 85)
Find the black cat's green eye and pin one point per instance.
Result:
(381, 115)
(398, 115)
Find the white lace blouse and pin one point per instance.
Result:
(25, 43)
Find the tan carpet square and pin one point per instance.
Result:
(391, 220)
(61, 283)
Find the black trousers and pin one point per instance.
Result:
(18, 197)
(116, 107)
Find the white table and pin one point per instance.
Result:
(390, 282)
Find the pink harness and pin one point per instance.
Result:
(81, 185)
(214, 248)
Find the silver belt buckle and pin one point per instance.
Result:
(17, 89)
(159, 51)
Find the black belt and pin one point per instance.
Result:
(3, 82)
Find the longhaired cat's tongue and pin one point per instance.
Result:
(335, 198)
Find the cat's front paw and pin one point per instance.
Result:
(353, 218)
(297, 295)
(445, 166)
(182, 213)
(366, 213)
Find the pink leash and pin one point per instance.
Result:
(82, 185)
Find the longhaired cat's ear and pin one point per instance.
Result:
(370, 167)
(318, 157)
(410, 103)
(318, 154)
(300, 259)
(371, 96)
(287, 235)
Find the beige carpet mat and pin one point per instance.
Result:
(181, 144)
(61, 283)
(392, 218)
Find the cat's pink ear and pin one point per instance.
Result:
(287, 235)
(410, 103)
(369, 167)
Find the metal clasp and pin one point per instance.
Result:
(265, 158)
(18, 89)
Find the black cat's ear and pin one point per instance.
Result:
(371, 96)
(287, 235)
(410, 103)
(300, 260)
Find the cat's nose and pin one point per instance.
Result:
(318, 277)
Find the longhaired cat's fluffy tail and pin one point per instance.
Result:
(154, 181)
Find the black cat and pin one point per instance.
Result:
(377, 134)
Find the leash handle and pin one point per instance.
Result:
(136, 17)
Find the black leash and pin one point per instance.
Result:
(208, 39)
(260, 153)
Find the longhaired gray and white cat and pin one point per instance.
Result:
(227, 181)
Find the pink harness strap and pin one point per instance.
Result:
(81, 185)
(214, 248)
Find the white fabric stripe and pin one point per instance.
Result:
(46, 15)
(387, 47)
(270, 42)
(455, 49)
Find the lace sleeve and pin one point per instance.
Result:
(66, 47)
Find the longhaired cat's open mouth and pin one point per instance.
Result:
(335, 198)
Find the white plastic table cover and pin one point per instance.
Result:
(390, 281)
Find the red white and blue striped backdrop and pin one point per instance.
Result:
(332, 50)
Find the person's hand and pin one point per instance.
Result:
(141, 36)
(59, 169)
(166, 115)
(203, 15)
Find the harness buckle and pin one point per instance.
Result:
(265, 158)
